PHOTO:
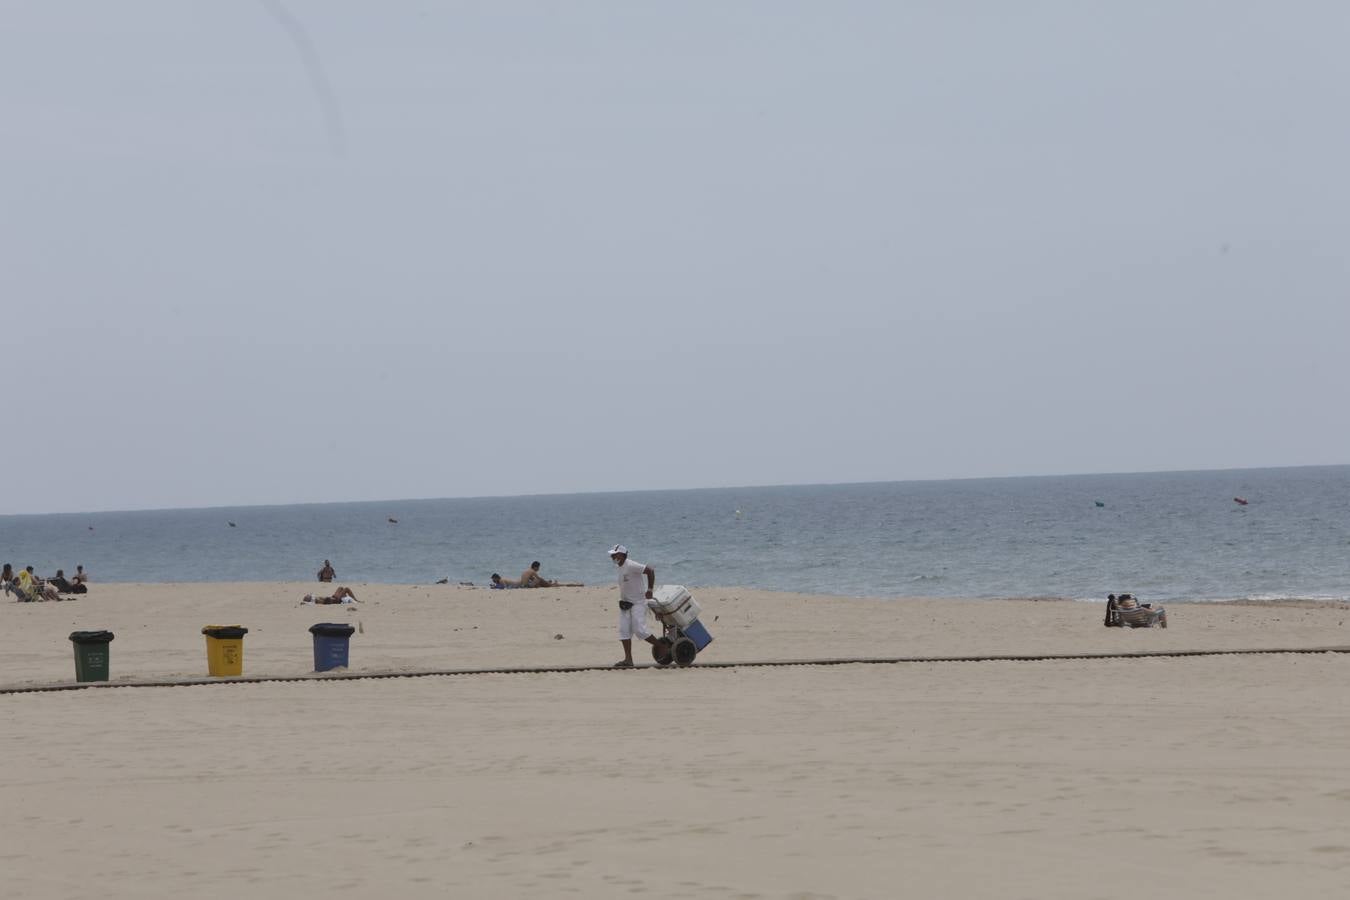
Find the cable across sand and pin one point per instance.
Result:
(756, 664)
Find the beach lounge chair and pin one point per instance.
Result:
(1142, 618)
(1134, 617)
(12, 587)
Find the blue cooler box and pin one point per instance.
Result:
(698, 634)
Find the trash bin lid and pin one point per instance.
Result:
(333, 629)
(91, 637)
(225, 632)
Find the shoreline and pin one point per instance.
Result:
(313, 587)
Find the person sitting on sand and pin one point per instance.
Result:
(498, 583)
(9, 582)
(28, 588)
(341, 595)
(531, 578)
(78, 581)
(327, 574)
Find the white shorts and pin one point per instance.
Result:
(633, 622)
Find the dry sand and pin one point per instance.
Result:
(1163, 777)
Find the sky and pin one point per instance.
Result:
(320, 250)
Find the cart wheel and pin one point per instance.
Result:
(661, 652)
(684, 651)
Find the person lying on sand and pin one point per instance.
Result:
(341, 595)
(498, 583)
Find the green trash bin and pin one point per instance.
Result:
(91, 654)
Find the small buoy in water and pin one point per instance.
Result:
(1098, 503)
(738, 512)
(1240, 501)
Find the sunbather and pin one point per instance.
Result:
(28, 588)
(341, 595)
(1127, 602)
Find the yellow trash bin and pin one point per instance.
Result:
(225, 649)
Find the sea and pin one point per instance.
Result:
(1178, 536)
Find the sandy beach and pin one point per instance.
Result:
(1172, 776)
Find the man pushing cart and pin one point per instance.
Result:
(683, 636)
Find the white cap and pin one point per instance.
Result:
(617, 549)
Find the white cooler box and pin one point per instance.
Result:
(674, 602)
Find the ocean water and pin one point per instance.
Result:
(1163, 536)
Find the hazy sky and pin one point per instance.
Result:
(273, 252)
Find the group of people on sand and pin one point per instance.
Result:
(636, 583)
(27, 587)
(530, 578)
(342, 595)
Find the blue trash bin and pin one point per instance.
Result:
(331, 640)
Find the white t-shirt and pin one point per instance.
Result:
(632, 583)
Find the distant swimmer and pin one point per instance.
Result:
(1098, 503)
(231, 524)
(393, 521)
(1240, 501)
